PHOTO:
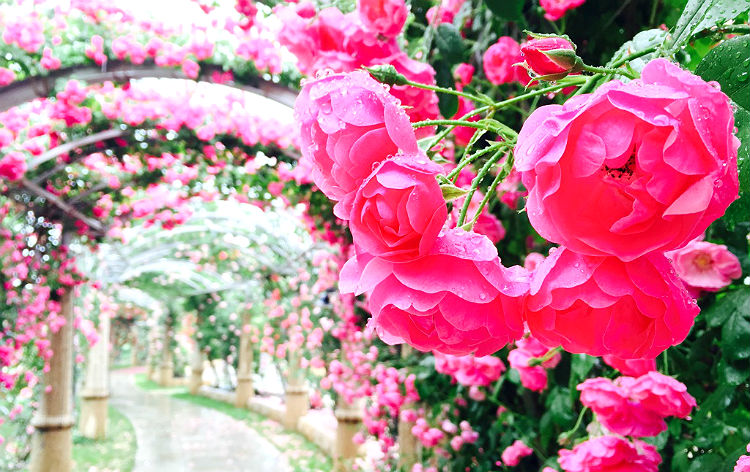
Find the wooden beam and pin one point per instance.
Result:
(26, 90)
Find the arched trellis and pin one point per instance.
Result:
(18, 93)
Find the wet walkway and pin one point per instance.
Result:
(178, 436)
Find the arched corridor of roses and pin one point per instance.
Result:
(177, 436)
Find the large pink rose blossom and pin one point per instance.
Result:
(349, 124)
(456, 300)
(636, 406)
(556, 9)
(610, 454)
(602, 305)
(643, 166)
(385, 17)
(705, 266)
(399, 210)
(532, 377)
(499, 59)
(630, 367)
(513, 454)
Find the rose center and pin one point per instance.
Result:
(702, 261)
(622, 173)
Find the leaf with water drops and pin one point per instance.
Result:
(729, 65)
(701, 14)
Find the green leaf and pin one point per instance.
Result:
(447, 103)
(718, 313)
(732, 375)
(740, 208)
(710, 461)
(640, 42)
(580, 365)
(735, 334)
(510, 10)
(451, 192)
(449, 42)
(701, 14)
(729, 64)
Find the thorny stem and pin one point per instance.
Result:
(475, 183)
(534, 361)
(458, 93)
(567, 434)
(608, 70)
(464, 162)
(504, 172)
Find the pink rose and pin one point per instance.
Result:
(555, 9)
(743, 464)
(13, 166)
(630, 367)
(456, 300)
(513, 454)
(532, 261)
(705, 266)
(549, 56)
(655, 156)
(616, 411)
(499, 60)
(470, 370)
(399, 210)
(636, 406)
(7, 76)
(532, 377)
(610, 454)
(349, 124)
(662, 394)
(420, 104)
(386, 17)
(602, 305)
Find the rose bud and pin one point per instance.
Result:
(550, 58)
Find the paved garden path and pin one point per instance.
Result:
(178, 436)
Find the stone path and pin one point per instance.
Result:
(178, 436)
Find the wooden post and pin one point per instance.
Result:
(245, 368)
(93, 420)
(196, 369)
(134, 345)
(52, 443)
(296, 399)
(166, 366)
(349, 419)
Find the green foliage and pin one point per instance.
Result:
(701, 14)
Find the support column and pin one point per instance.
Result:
(245, 366)
(52, 444)
(134, 345)
(166, 367)
(95, 394)
(296, 398)
(196, 369)
(407, 442)
(349, 419)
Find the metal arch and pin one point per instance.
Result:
(18, 93)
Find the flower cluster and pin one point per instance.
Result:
(365, 155)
